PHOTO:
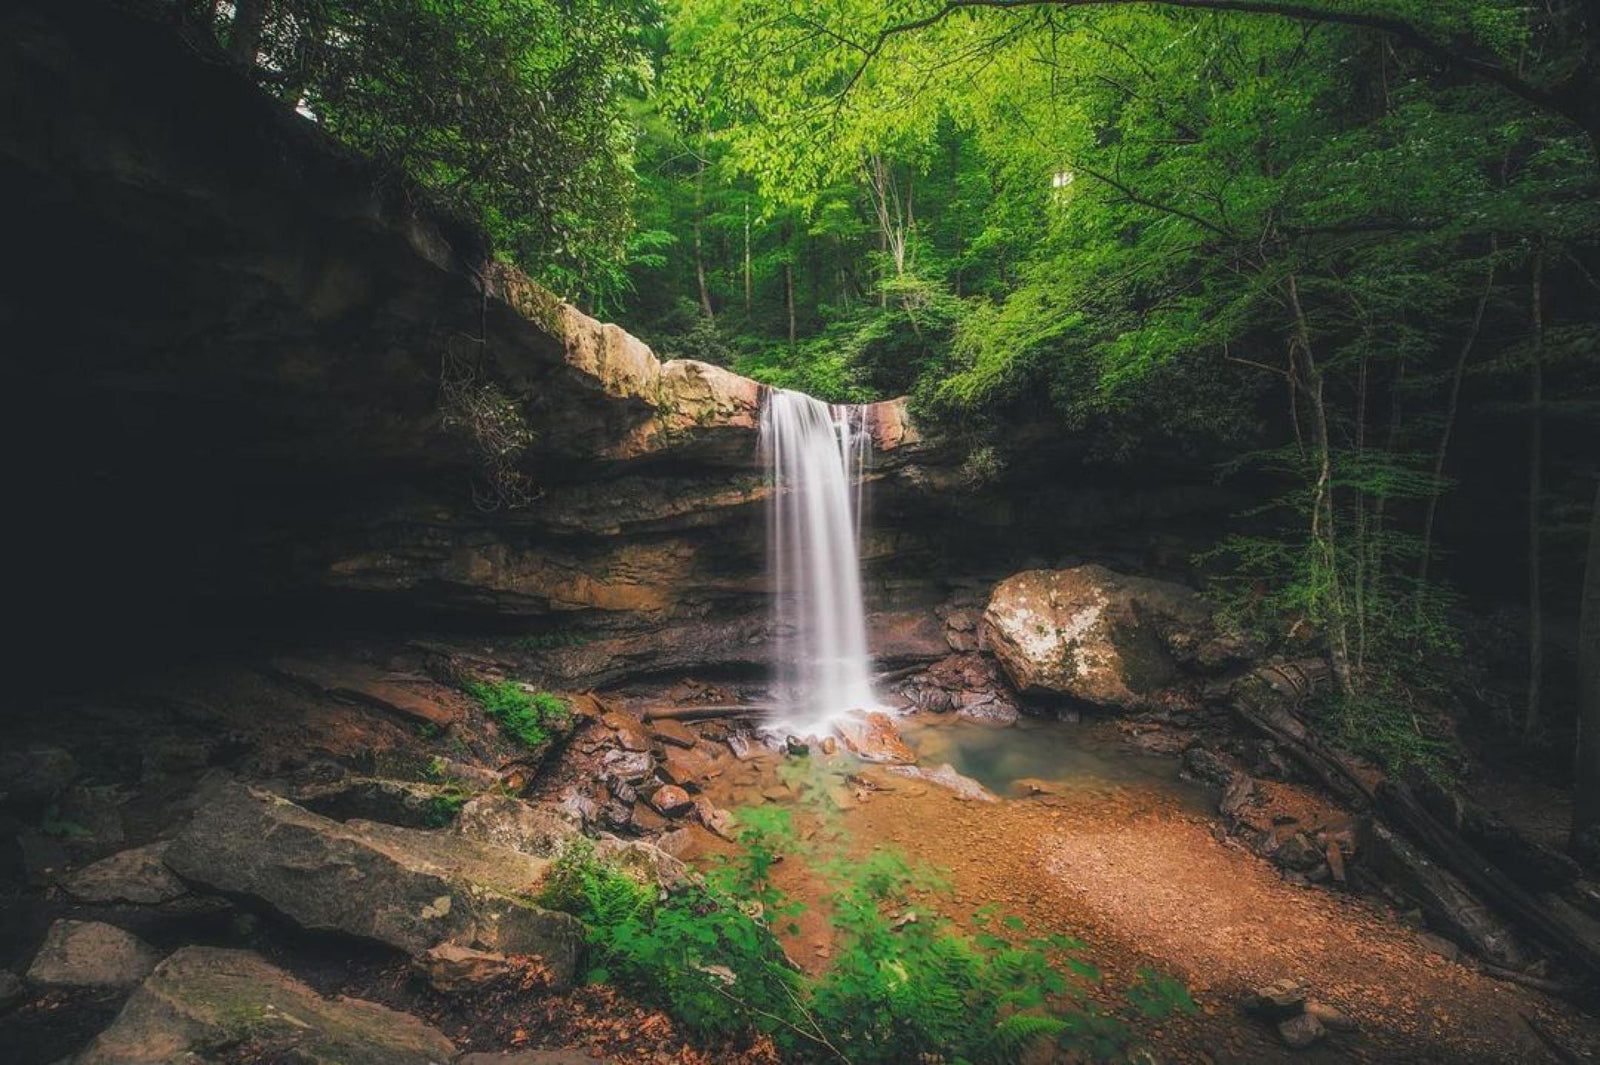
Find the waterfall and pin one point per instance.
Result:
(815, 454)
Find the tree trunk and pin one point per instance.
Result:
(244, 40)
(1322, 511)
(1451, 406)
(749, 287)
(1586, 797)
(788, 298)
(1530, 722)
(699, 255)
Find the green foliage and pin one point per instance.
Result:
(905, 983)
(526, 717)
(511, 111)
(442, 808)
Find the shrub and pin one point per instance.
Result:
(900, 989)
(524, 716)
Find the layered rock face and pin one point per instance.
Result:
(245, 361)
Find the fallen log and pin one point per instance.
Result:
(1266, 699)
(702, 713)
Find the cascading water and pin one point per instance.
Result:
(815, 454)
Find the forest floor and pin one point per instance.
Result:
(1138, 872)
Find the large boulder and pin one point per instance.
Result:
(408, 888)
(207, 1005)
(91, 954)
(1102, 638)
(502, 821)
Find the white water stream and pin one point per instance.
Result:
(816, 454)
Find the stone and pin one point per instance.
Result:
(91, 954)
(873, 737)
(408, 888)
(631, 766)
(715, 818)
(645, 862)
(1335, 859)
(671, 801)
(1206, 765)
(1277, 1000)
(673, 733)
(828, 746)
(990, 707)
(1297, 852)
(796, 746)
(501, 821)
(1030, 787)
(617, 815)
(454, 969)
(1102, 638)
(35, 774)
(686, 768)
(631, 734)
(946, 777)
(1240, 792)
(1332, 1017)
(138, 876)
(10, 988)
(205, 998)
(739, 743)
(1301, 1031)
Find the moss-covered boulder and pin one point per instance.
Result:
(204, 1004)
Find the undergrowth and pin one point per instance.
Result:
(906, 984)
(527, 717)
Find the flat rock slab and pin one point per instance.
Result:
(408, 888)
(946, 777)
(205, 1005)
(91, 954)
(138, 876)
(415, 698)
(501, 821)
(874, 737)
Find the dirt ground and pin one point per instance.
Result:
(1136, 872)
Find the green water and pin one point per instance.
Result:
(1062, 754)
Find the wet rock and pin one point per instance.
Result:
(829, 746)
(671, 801)
(795, 746)
(138, 876)
(1208, 766)
(1033, 786)
(35, 774)
(91, 954)
(502, 821)
(1101, 637)
(10, 989)
(686, 768)
(739, 743)
(873, 737)
(404, 887)
(946, 777)
(202, 998)
(453, 969)
(673, 733)
(990, 707)
(1301, 1031)
(622, 791)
